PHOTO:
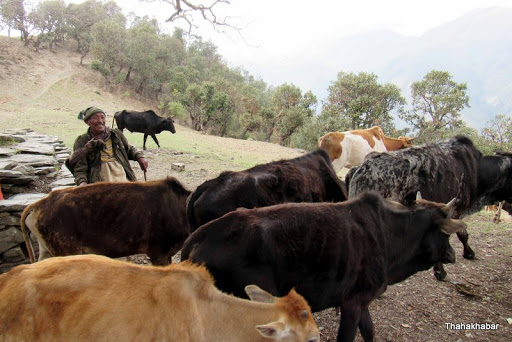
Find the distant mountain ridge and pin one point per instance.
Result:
(475, 49)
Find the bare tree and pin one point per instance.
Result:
(185, 10)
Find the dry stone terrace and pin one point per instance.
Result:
(26, 157)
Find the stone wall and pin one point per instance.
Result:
(26, 158)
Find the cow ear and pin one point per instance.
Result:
(450, 226)
(449, 208)
(258, 295)
(274, 330)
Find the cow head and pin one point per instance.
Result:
(297, 322)
(406, 141)
(168, 125)
(436, 242)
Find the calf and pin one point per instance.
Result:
(147, 122)
(112, 219)
(334, 254)
(94, 298)
(308, 178)
(348, 149)
(441, 171)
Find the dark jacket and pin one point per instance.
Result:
(88, 168)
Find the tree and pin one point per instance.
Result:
(289, 110)
(13, 14)
(108, 45)
(437, 101)
(191, 11)
(48, 18)
(498, 133)
(361, 102)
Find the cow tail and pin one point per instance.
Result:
(28, 244)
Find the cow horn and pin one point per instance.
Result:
(418, 196)
(449, 207)
(451, 226)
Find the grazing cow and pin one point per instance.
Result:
(112, 219)
(94, 298)
(308, 178)
(147, 122)
(348, 149)
(441, 171)
(334, 254)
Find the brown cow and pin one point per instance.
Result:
(348, 149)
(112, 219)
(94, 298)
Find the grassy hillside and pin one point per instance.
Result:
(46, 90)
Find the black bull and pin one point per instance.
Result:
(147, 122)
(441, 171)
(334, 254)
(308, 178)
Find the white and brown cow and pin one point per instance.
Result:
(112, 219)
(94, 298)
(348, 149)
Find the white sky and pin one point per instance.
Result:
(281, 31)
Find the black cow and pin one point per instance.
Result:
(308, 178)
(441, 171)
(334, 254)
(147, 122)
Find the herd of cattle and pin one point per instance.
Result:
(283, 226)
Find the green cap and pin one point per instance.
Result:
(87, 113)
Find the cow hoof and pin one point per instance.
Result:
(469, 255)
(440, 275)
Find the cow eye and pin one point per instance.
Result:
(304, 314)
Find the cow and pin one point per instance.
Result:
(348, 149)
(147, 122)
(335, 254)
(308, 178)
(94, 298)
(112, 219)
(453, 168)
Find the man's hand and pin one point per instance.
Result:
(143, 163)
(94, 145)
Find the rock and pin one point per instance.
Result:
(34, 160)
(10, 220)
(19, 202)
(24, 169)
(34, 147)
(62, 182)
(9, 238)
(14, 254)
(178, 166)
(6, 152)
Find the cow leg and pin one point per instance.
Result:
(463, 237)
(350, 318)
(439, 271)
(145, 138)
(43, 252)
(366, 326)
(155, 139)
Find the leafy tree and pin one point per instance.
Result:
(142, 48)
(498, 133)
(48, 18)
(437, 102)
(361, 102)
(109, 45)
(14, 15)
(289, 111)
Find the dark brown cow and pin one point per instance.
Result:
(308, 178)
(334, 254)
(441, 171)
(112, 219)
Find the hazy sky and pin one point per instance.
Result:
(288, 31)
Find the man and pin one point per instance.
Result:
(102, 153)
